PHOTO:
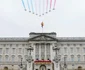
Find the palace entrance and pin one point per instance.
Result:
(42, 67)
(5, 68)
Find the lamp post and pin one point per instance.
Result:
(65, 65)
(73, 66)
(56, 58)
(21, 65)
(12, 67)
(29, 59)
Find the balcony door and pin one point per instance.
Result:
(42, 67)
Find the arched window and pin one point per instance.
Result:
(72, 57)
(71, 49)
(13, 57)
(78, 56)
(13, 51)
(7, 50)
(19, 57)
(6, 58)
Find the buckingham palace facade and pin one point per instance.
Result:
(71, 52)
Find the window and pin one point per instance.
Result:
(6, 58)
(78, 49)
(65, 49)
(48, 57)
(72, 57)
(78, 56)
(20, 50)
(0, 58)
(65, 56)
(13, 57)
(4, 45)
(7, 50)
(10, 44)
(26, 51)
(71, 49)
(37, 57)
(61, 44)
(84, 50)
(84, 57)
(17, 44)
(81, 44)
(68, 44)
(23, 44)
(0, 50)
(74, 44)
(19, 57)
(13, 50)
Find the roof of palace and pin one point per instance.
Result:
(51, 35)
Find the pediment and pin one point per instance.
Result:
(42, 38)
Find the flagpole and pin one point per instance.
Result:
(42, 24)
(42, 29)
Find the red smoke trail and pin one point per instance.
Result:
(50, 4)
(54, 4)
(47, 6)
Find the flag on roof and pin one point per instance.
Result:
(42, 24)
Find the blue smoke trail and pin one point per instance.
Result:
(39, 8)
(23, 5)
(28, 6)
(32, 6)
(43, 7)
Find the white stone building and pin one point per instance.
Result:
(13, 49)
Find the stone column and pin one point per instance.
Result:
(56, 58)
(29, 59)
(45, 52)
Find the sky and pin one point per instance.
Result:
(67, 20)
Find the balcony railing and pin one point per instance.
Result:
(73, 62)
(11, 63)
